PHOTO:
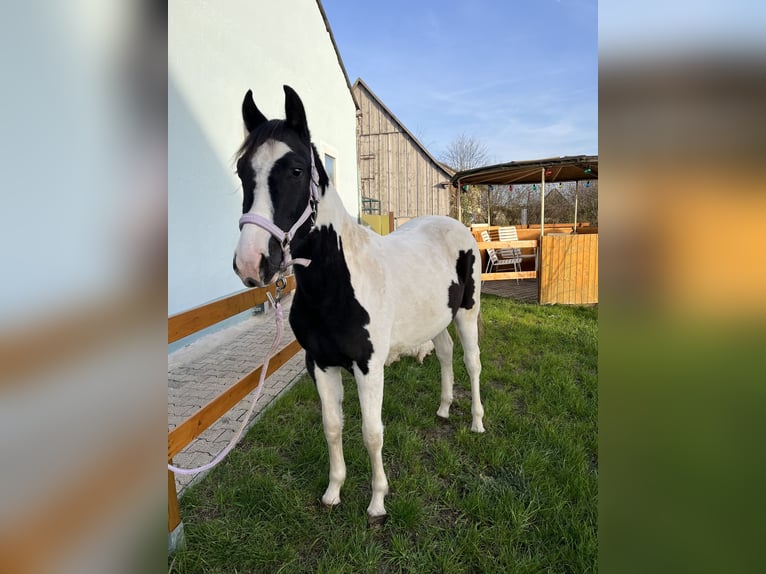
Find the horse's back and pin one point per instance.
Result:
(432, 236)
(434, 270)
(434, 225)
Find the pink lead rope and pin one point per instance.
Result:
(235, 438)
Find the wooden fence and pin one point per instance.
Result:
(569, 269)
(502, 275)
(189, 322)
(527, 243)
(567, 265)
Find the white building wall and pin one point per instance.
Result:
(216, 52)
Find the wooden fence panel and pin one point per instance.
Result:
(505, 275)
(569, 269)
(188, 322)
(380, 224)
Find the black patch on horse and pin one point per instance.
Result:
(460, 294)
(310, 366)
(327, 319)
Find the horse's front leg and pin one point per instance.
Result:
(370, 387)
(330, 388)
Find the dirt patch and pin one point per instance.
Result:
(444, 428)
(448, 518)
(495, 384)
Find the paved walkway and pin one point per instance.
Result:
(203, 369)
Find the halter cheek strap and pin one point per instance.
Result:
(285, 237)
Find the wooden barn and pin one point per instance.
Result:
(397, 173)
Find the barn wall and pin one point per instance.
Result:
(393, 167)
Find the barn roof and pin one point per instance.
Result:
(569, 168)
(447, 171)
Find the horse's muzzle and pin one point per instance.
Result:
(255, 273)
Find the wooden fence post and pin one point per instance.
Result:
(175, 526)
(542, 268)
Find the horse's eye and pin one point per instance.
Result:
(297, 171)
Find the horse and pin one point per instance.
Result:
(360, 298)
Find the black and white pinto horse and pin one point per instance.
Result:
(360, 297)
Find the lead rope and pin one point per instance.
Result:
(276, 301)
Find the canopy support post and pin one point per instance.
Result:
(542, 205)
(577, 189)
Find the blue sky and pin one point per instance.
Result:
(519, 76)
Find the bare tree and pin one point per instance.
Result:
(521, 202)
(465, 152)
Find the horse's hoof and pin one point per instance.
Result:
(325, 506)
(376, 521)
(442, 420)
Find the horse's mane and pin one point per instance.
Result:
(271, 129)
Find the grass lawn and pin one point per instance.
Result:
(519, 498)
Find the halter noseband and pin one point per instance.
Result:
(285, 237)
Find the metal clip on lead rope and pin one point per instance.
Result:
(281, 285)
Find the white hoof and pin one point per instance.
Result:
(477, 427)
(330, 500)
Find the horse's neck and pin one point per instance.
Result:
(335, 229)
(331, 211)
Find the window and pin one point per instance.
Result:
(329, 166)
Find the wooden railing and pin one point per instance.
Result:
(520, 244)
(566, 262)
(191, 321)
(568, 267)
(188, 322)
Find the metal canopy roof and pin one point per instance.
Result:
(570, 168)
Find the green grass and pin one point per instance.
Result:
(519, 498)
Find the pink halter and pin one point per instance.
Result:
(284, 237)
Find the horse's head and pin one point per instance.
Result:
(275, 167)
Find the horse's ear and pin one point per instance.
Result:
(294, 112)
(250, 113)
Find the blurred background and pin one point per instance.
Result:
(83, 291)
(682, 88)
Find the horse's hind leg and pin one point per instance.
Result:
(443, 345)
(467, 323)
(330, 388)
